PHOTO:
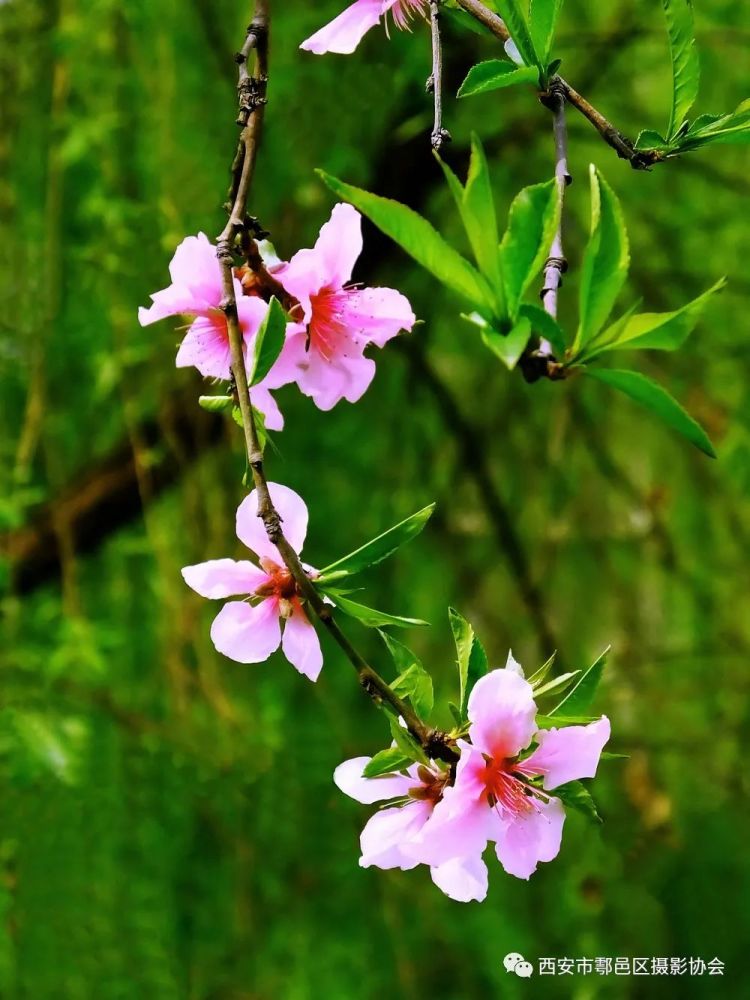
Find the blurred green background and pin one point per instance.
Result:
(169, 824)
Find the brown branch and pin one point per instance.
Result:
(251, 91)
(435, 82)
(623, 146)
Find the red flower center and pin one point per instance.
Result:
(281, 583)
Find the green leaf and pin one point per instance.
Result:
(471, 658)
(508, 347)
(479, 213)
(260, 425)
(515, 21)
(405, 742)
(538, 676)
(648, 139)
(386, 762)
(685, 63)
(555, 722)
(418, 238)
(545, 326)
(532, 222)
(215, 404)
(605, 263)
(580, 697)
(369, 616)
(656, 399)
(656, 331)
(379, 548)
(413, 681)
(268, 343)
(557, 684)
(494, 74)
(543, 15)
(576, 796)
(608, 755)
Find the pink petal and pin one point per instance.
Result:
(224, 578)
(348, 777)
(345, 32)
(327, 382)
(264, 402)
(389, 831)
(531, 837)
(461, 821)
(462, 879)
(377, 314)
(501, 710)
(172, 301)
(340, 244)
(284, 370)
(293, 513)
(196, 267)
(303, 276)
(569, 753)
(301, 645)
(206, 347)
(247, 634)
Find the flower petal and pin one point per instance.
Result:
(293, 513)
(501, 710)
(195, 266)
(348, 777)
(389, 831)
(301, 645)
(345, 32)
(328, 381)
(224, 578)
(247, 634)
(264, 402)
(462, 879)
(340, 244)
(569, 753)
(376, 314)
(531, 837)
(172, 301)
(206, 347)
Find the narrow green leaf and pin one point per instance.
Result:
(413, 681)
(650, 394)
(532, 222)
(648, 139)
(515, 21)
(405, 742)
(608, 755)
(214, 404)
(494, 74)
(580, 697)
(508, 347)
(685, 62)
(377, 549)
(576, 796)
(555, 722)
(538, 676)
(543, 15)
(479, 213)
(657, 331)
(386, 762)
(471, 658)
(557, 684)
(268, 343)
(605, 262)
(418, 238)
(545, 326)
(369, 616)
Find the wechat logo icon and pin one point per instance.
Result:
(514, 962)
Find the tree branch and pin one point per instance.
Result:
(252, 100)
(435, 82)
(623, 146)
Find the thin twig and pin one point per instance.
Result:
(556, 264)
(435, 82)
(623, 146)
(436, 744)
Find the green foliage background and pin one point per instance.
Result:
(169, 824)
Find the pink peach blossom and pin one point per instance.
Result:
(196, 290)
(250, 632)
(496, 795)
(346, 31)
(387, 833)
(324, 353)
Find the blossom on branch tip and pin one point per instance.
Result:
(196, 290)
(500, 794)
(324, 351)
(345, 32)
(386, 835)
(248, 631)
